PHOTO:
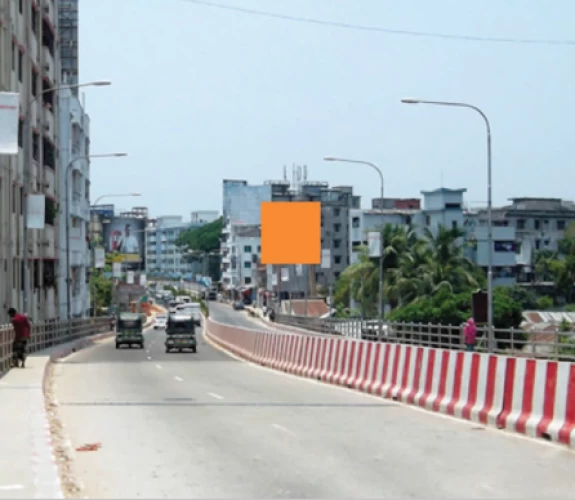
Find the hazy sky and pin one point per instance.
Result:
(201, 94)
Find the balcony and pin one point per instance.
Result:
(77, 257)
(47, 243)
(49, 67)
(49, 183)
(33, 47)
(49, 128)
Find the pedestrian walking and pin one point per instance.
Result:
(470, 334)
(21, 336)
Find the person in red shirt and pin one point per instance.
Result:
(21, 336)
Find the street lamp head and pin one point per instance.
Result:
(100, 83)
(118, 155)
(329, 158)
(410, 100)
(136, 194)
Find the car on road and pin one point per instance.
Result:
(238, 305)
(192, 308)
(160, 322)
(181, 333)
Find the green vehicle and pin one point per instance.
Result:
(181, 332)
(129, 330)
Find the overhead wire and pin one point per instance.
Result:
(376, 29)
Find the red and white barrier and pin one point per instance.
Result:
(541, 400)
(532, 397)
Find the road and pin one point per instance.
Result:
(209, 426)
(224, 313)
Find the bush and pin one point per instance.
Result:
(544, 303)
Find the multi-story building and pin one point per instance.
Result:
(29, 66)
(163, 256)
(441, 207)
(74, 216)
(520, 229)
(241, 252)
(204, 216)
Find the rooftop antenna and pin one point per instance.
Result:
(441, 179)
(305, 172)
(285, 173)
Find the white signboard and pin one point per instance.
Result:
(285, 274)
(117, 269)
(326, 258)
(99, 258)
(143, 279)
(130, 277)
(299, 270)
(374, 244)
(36, 211)
(274, 280)
(9, 111)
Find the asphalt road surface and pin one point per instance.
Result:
(224, 313)
(208, 426)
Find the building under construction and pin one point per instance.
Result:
(68, 32)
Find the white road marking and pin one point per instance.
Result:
(149, 357)
(12, 487)
(158, 367)
(283, 429)
(214, 395)
(179, 379)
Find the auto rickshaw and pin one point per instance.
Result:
(129, 330)
(181, 332)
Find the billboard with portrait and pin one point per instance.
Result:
(124, 237)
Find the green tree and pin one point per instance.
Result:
(202, 239)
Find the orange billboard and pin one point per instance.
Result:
(291, 232)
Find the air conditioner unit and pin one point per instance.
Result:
(47, 127)
(46, 67)
(46, 9)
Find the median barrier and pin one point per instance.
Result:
(531, 397)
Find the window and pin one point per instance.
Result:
(336, 212)
(247, 265)
(247, 281)
(453, 224)
(21, 134)
(451, 206)
(51, 210)
(337, 228)
(247, 249)
(337, 259)
(355, 223)
(408, 220)
(259, 248)
(427, 220)
(537, 224)
(336, 243)
(20, 66)
(14, 49)
(504, 246)
(520, 223)
(560, 225)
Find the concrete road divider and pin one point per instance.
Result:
(531, 397)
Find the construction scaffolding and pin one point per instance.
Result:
(68, 31)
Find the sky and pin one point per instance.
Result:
(200, 94)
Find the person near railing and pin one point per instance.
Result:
(470, 334)
(21, 336)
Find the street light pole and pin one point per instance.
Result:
(27, 150)
(381, 242)
(67, 184)
(490, 332)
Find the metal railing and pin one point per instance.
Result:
(46, 335)
(545, 344)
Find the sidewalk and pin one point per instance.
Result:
(28, 466)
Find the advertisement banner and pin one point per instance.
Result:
(374, 243)
(36, 211)
(117, 270)
(299, 270)
(9, 122)
(125, 238)
(285, 274)
(274, 280)
(99, 258)
(130, 277)
(143, 279)
(326, 258)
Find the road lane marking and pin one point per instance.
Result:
(11, 487)
(214, 395)
(149, 357)
(158, 367)
(179, 379)
(283, 429)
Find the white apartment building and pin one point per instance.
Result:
(204, 216)
(241, 249)
(163, 256)
(73, 226)
(29, 66)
